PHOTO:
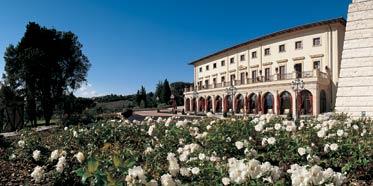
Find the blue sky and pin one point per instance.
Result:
(131, 43)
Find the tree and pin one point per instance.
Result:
(138, 98)
(143, 96)
(158, 90)
(166, 92)
(151, 99)
(45, 64)
(178, 88)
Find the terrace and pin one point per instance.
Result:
(314, 75)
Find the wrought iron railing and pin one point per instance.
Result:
(276, 77)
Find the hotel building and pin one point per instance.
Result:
(261, 71)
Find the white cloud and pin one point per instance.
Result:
(86, 90)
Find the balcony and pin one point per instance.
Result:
(320, 76)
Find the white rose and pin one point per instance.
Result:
(80, 157)
(54, 155)
(21, 143)
(195, 170)
(201, 156)
(301, 151)
(225, 181)
(334, 147)
(277, 126)
(36, 155)
(321, 133)
(185, 171)
(167, 180)
(326, 148)
(239, 145)
(38, 174)
(75, 134)
(271, 140)
(61, 164)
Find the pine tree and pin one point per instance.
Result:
(166, 92)
(138, 98)
(158, 91)
(143, 96)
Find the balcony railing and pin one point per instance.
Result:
(269, 78)
(285, 76)
(307, 74)
(262, 79)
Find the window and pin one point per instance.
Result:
(282, 72)
(267, 74)
(199, 85)
(222, 79)
(242, 58)
(232, 60)
(200, 69)
(253, 54)
(316, 41)
(242, 80)
(214, 65)
(298, 70)
(233, 79)
(222, 63)
(281, 48)
(298, 45)
(207, 67)
(253, 76)
(267, 52)
(316, 65)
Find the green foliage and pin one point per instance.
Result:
(112, 148)
(44, 64)
(166, 92)
(178, 88)
(141, 98)
(114, 97)
(289, 116)
(158, 90)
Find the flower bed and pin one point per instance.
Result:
(263, 150)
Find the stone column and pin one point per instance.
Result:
(355, 95)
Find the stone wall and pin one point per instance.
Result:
(355, 88)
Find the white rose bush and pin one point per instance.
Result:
(255, 150)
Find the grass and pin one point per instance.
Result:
(53, 121)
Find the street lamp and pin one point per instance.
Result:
(297, 85)
(157, 101)
(195, 94)
(172, 103)
(231, 90)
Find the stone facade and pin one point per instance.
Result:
(261, 70)
(355, 88)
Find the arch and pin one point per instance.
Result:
(285, 102)
(305, 102)
(322, 101)
(228, 103)
(218, 104)
(201, 104)
(239, 103)
(187, 104)
(194, 105)
(252, 104)
(209, 104)
(268, 102)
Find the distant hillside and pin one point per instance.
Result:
(114, 97)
